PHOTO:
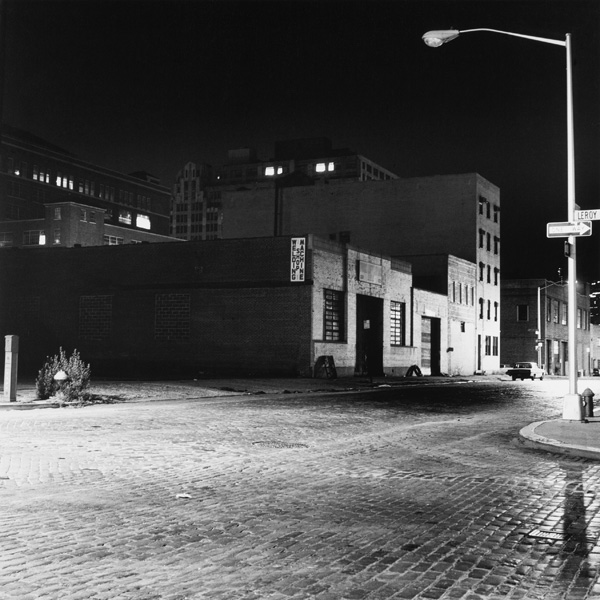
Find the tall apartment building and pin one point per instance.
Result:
(52, 198)
(196, 199)
(451, 214)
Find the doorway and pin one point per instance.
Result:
(430, 345)
(369, 336)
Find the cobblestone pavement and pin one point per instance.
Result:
(400, 493)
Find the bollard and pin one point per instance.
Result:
(588, 402)
(11, 360)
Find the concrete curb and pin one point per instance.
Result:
(530, 439)
(28, 405)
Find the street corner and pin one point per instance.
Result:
(563, 436)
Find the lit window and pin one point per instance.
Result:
(320, 168)
(331, 166)
(6, 239)
(57, 236)
(269, 171)
(142, 221)
(42, 238)
(125, 217)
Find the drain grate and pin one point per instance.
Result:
(547, 535)
(278, 444)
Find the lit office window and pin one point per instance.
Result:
(320, 168)
(142, 221)
(125, 217)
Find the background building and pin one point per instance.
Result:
(52, 198)
(196, 199)
(316, 158)
(538, 305)
(452, 214)
(456, 278)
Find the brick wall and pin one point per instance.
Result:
(164, 309)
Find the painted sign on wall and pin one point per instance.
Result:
(298, 259)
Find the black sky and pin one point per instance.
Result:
(151, 85)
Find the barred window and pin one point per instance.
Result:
(397, 323)
(334, 315)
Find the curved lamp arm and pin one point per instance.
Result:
(436, 38)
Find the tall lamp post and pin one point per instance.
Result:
(572, 406)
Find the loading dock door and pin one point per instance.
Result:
(430, 345)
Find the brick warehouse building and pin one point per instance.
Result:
(267, 305)
(455, 215)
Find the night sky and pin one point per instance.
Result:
(140, 85)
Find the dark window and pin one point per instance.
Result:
(522, 312)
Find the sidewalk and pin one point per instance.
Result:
(573, 438)
(140, 391)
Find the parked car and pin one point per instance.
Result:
(526, 370)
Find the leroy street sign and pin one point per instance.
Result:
(587, 215)
(583, 228)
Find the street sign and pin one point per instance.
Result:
(587, 215)
(583, 228)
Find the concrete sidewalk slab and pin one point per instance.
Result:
(573, 438)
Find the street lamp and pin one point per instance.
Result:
(572, 407)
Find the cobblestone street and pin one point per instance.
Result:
(417, 492)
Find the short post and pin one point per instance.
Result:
(11, 361)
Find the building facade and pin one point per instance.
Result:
(535, 325)
(273, 306)
(453, 214)
(316, 158)
(198, 189)
(456, 278)
(37, 177)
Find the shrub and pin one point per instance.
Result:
(73, 388)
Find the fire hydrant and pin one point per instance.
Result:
(588, 402)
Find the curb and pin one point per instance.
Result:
(27, 405)
(530, 439)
